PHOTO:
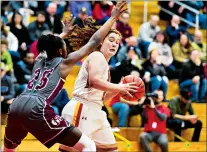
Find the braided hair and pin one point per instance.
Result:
(50, 44)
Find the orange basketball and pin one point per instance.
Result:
(140, 84)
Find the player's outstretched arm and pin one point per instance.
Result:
(96, 39)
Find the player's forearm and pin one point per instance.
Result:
(123, 100)
(100, 34)
(104, 85)
(63, 35)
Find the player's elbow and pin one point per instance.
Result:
(95, 41)
(94, 82)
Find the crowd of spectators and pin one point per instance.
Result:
(185, 13)
(18, 44)
(155, 55)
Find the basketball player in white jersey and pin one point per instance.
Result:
(92, 87)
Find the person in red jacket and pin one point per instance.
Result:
(155, 115)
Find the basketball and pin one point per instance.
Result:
(140, 84)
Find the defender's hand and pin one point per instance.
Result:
(119, 9)
(68, 26)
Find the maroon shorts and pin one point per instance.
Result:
(32, 114)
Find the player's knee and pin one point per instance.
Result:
(8, 144)
(90, 147)
(85, 144)
(4, 149)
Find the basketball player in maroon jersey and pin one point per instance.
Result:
(31, 111)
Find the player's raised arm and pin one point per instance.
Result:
(96, 38)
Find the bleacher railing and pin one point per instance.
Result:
(196, 24)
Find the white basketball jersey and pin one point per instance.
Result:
(82, 90)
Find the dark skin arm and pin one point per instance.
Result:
(94, 42)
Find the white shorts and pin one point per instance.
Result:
(92, 122)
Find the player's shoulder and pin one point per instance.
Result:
(96, 55)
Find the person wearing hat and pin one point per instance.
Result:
(179, 120)
(82, 15)
(7, 89)
(76, 6)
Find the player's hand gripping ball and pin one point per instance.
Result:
(140, 90)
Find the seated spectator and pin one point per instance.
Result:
(19, 30)
(121, 69)
(7, 89)
(123, 108)
(155, 74)
(102, 11)
(192, 77)
(147, 33)
(135, 59)
(24, 8)
(204, 9)
(174, 30)
(129, 59)
(123, 26)
(37, 27)
(76, 6)
(181, 51)
(161, 43)
(4, 11)
(155, 115)
(27, 10)
(60, 101)
(60, 7)
(179, 120)
(6, 57)
(81, 17)
(191, 16)
(33, 5)
(11, 38)
(130, 42)
(52, 20)
(200, 45)
(23, 70)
